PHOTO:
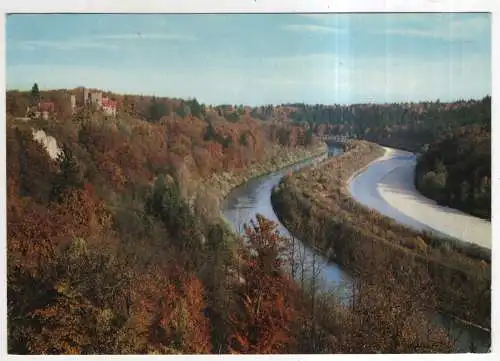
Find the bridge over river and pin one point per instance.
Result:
(337, 138)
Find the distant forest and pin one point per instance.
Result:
(408, 126)
(456, 170)
(454, 140)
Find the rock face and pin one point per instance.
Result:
(49, 143)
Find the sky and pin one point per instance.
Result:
(256, 58)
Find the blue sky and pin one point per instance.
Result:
(256, 58)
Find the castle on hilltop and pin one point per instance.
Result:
(84, 98)
(96, 100)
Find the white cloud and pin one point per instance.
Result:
(277, 81)
(344, 78)
(446, 28)
(450, 27)
(426, 33)
(64, 44)
(99, 41)
(313, 29)
(384, 79)
(147, 36)
(304, 59)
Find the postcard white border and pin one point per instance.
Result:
(259, 6)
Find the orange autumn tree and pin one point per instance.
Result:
(168, 308)
(260, 325)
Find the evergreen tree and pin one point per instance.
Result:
(157, 110)
(244, 139)
(70, 175)
(308, 137)
(196, 108)
(182, 111)
(210, 134)
(35, 94)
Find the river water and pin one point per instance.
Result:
(254, 197)
(388, 186)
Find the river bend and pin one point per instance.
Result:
(244, 202)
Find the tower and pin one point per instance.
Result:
(86, 96)
(96, 99)
(73, 103)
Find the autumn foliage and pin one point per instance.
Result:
(262, 322)
(110, 249)
(170, 312)
(105, 251)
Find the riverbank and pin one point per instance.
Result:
(389, 187)
(218, 186)
(317, 201)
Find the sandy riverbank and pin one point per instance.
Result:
(387, 185)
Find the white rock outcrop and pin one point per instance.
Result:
(49, 143)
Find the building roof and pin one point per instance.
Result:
(108, 103)
(46, 106)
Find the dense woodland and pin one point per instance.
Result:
(106, 252)
(408, 126)
(456, 171)
(110, 251)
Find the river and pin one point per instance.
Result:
(388, 186)
(254, 197)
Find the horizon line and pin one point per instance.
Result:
(190, 98)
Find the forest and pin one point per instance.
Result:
(111, 249)
(408, 126)
(456, 171)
